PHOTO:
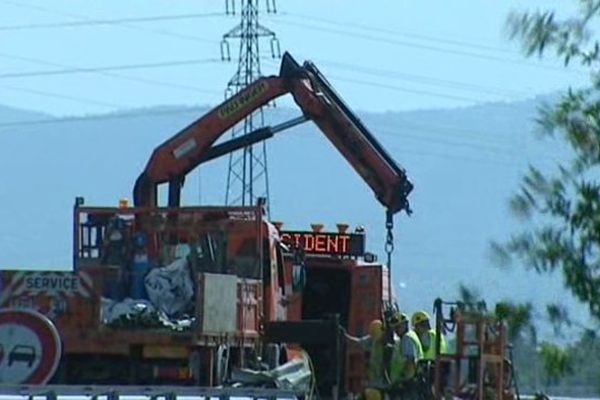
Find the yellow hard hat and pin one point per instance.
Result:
(372, 394)
(376, 329)
(419, 317)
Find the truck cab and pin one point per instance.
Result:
(340, 278)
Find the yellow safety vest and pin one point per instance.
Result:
(429, 351)
(398, 372)
(415, 339)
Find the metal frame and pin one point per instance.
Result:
(487, 342)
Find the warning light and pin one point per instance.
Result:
(316, 227)
(342, 228)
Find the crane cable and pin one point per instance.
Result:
(389, 249)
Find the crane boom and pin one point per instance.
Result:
(172, 160)
(175, 158)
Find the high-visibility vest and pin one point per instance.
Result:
(429, 351)
(398, 372)
(415, 339)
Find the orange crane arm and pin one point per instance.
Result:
(175, 158)
(319, 101)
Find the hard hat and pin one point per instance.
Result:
(419, 317)
(376, 329)
(396, 319)
(372, 394)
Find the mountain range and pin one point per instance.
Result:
(464, 163)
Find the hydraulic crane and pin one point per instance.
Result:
(319, 102)
(194, 145)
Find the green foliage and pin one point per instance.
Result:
(540, 31)
(561, 209)
(558, 316)
(575, 365)
(468, 295)
(518, 317)
(557, 361)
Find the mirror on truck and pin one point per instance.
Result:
(298, 270)
(298, 277)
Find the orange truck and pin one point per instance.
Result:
(174, 294)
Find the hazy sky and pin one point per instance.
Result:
(391, 55)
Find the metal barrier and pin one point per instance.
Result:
(54, 392)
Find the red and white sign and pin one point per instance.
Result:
(30, 347)
(65, 284)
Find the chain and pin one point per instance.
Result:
(389, 249)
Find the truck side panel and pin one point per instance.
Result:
(366, 305)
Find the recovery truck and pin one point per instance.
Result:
(254, 284)
(242, 272)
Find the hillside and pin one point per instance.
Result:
(464, 164)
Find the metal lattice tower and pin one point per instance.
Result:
(247, 177)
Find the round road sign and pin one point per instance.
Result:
(30, 347)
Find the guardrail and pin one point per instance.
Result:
(101, 392)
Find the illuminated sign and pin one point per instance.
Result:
(326, 243)
(242, 100)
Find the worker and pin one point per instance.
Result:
(139, 267)
(407, 353)
(427, 335)
(374, 343)
(114, 255)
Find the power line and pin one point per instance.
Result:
(77, 70)
(436, 39)
(403, 89)
(50, 121)
(424, 79)
(85, 18)
(379, 130)
(438, 140)
(403, 43)
(406, 90)
(397, 136)
(427, 80)
(112, 74)
(76, 99)
(445, 130)
(92, 22)
(403, 150)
